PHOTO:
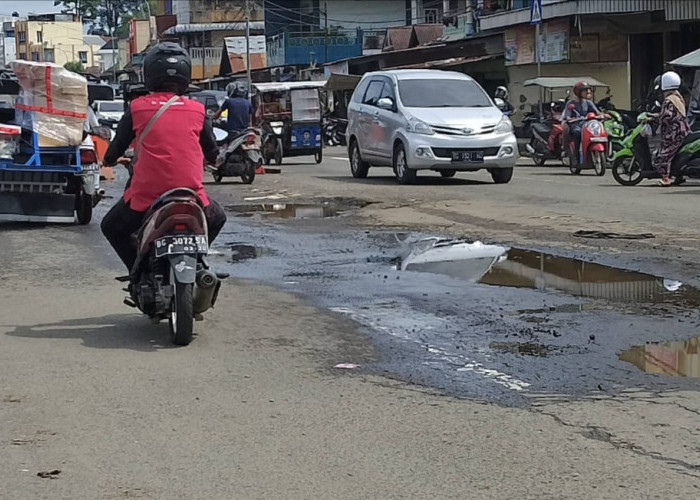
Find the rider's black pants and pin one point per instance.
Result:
(121, 222)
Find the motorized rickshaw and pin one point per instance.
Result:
(289, 114)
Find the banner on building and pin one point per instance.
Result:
(236, 49)
(553, 44)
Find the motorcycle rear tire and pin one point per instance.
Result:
(218, 178)
(249, 175)
(83, 208)
(575, 170)
(539, 161)
(182, 314)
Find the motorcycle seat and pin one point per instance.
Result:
(542, 128)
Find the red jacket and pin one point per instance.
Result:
(171, 154)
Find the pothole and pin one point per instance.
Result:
(497, 265)
(679, 358)
(242, 252)
(286, 210)
(523, 348)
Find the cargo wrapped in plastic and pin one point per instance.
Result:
(53, 102)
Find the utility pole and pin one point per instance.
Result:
(247, 48)
(325, 42)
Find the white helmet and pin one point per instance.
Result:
(670, 81)
(502, 92)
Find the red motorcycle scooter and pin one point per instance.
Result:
(594, 144)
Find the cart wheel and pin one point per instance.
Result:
(319, 156)
(83, 207)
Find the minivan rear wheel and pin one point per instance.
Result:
(358, 167)
(404, 174)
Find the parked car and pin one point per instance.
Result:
(109, 113)
(428, 120)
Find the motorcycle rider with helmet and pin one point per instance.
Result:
(573, 117)
(240, 110)
(502, 93)
(171, 153)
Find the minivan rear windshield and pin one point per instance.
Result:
(112, 106)
(429, 93)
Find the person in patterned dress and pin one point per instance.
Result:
(673, 126)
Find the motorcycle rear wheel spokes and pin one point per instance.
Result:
(626, 171)
(181, 312)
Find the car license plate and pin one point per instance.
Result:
(180, 245)
(473, 156)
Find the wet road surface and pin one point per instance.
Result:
(500, 323)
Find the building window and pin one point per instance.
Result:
(23, 56)
(82, 57)
(35, 56)
(22, 36)
(40, 37)
(49, 55)
(431, 16)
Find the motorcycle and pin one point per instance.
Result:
(634, 162)
(615, 128)
(332, 133)
(272, 146)
(594, 143)
(546, 137)
(171, 277)
(238, 156)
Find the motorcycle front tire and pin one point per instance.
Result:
(249, 175)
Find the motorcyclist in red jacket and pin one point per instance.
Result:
(171, 154)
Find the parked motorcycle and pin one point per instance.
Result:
(334, 131)
(546, 137)
(239, 156)
(171, 277)
(594, 144)
(634, 162)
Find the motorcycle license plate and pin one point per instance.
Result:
(180, 245)
(473, 156)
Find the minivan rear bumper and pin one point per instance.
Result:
(436, 152)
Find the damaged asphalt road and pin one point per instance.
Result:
(498, 323)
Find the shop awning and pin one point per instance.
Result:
(690, 60)
(563, 82)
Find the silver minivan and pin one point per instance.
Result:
(431, 120)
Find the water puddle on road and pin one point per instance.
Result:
(512, 267)
(680, 358)
(285, 210)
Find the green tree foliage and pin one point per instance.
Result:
(106, 16)
(75, 67)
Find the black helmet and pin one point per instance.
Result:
(167, 67)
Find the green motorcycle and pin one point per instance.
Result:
(615, 128)
(633, 163)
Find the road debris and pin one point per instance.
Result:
(52, 474)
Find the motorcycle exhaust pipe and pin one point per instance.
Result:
(530, 149)
(206, 286)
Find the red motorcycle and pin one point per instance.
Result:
(171, 277)
(594, 144)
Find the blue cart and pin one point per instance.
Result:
(289, 114)
(49, 184)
